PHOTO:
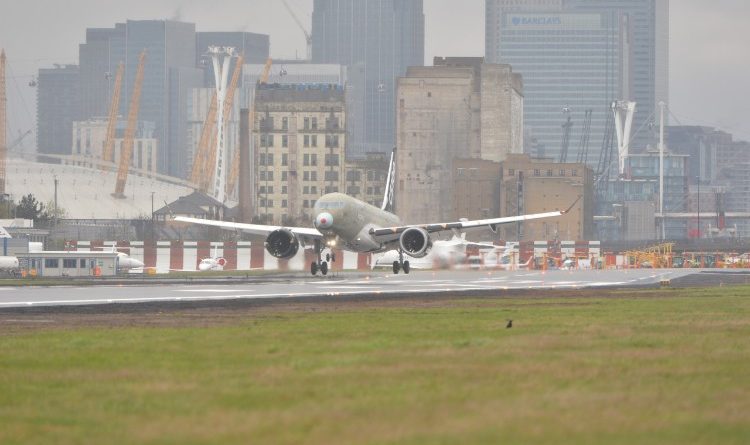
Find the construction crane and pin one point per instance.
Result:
(109, 141)
(3, 102)
(308, 37)
(606, 156)
(204, 145)
(228, 104)
(583, 147)
(234, 173)
(566, 126)
(126, 150)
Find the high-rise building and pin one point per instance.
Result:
(299, 138)
(57, 105)
(622, 55)
(377, 40)
(170, 72)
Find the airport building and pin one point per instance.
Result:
(69, 264)
(544, 185)
(459, 108)
(377, 42)
(476, 189)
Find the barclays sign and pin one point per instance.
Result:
(539, 20)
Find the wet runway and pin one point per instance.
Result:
(375, 283)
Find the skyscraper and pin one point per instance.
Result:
(580, 54)
(170, 72)
(377, 40)
(57, 105)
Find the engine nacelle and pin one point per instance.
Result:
(415, 242)
(282, 243)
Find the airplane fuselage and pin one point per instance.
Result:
(347, 222)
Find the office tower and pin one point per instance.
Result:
(57, 105)
(377, 40)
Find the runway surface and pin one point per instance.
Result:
(344, 284)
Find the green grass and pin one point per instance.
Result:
(632, 369)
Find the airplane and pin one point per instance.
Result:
(8, 264)
(212, 263)
(444, 254)
(125, 262)
(353, 225)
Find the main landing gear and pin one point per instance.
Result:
(319, 264)
(401, 264)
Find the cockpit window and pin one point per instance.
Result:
(331, 205)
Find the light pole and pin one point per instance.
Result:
(698, 180)
(152, 216)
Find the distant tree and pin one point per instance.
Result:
(29, 208)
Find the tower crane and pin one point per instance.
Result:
(308, 37)
(126, 150)
(234, 173)
(3, 102)
(109, 141)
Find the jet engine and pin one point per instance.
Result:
(415, 242)
(282, 243)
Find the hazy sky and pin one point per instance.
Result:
(709, 57)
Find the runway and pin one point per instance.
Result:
(344, 284)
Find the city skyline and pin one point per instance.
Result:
(704, 67)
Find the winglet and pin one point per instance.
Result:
(572, 205)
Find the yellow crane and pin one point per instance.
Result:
(109, 142)
(228, 103)
(126, 151)
(204, 145)
(234, 173)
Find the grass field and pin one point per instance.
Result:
(628, 368)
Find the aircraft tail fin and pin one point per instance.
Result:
(390, 185)
(4, 233)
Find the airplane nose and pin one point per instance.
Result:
(134, 264)
(324, 221)
(203, 267)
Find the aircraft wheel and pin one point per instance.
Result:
(314, 268)
(396, 267)
(324, 268)
(406, 267)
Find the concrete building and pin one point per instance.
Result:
(459, 108)
(57, 105)
(377, 41)
(476, 189)
(89, 137)
(543, 185)
(299, 138)
(631, 38)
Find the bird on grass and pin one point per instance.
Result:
(509, 325)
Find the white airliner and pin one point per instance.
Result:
(8, 264)
(443, 255)
(356, 226)
(125, 262)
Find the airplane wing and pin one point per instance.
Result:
(388, 234)
(304, 233)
